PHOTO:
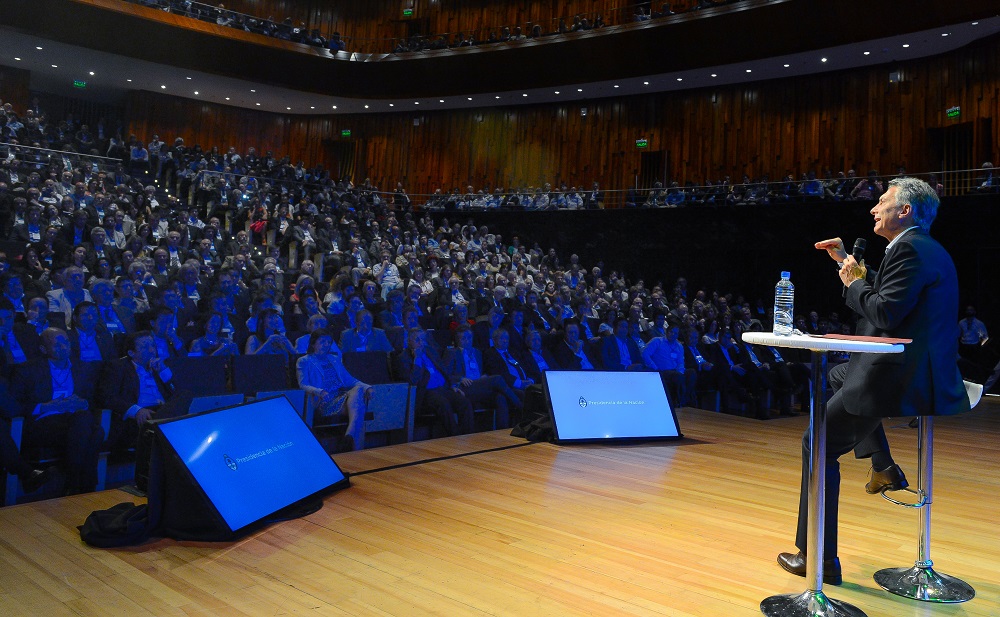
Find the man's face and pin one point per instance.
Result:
(55, 345)
(173, 239)
(103, 294)
(144, 352)
(38, 310)
(502, 341)
(465, 339)
(887, 215)
(73, 280)
(621, 329)
(572, 334)
(87, 319)
(672, 333)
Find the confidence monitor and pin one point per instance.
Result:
(214, 474)
(599, 406)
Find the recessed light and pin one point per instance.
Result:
(749, 70)
(822, 59)
(39, 48)
(579, 89)
(196, 93)
(440, 100)
(92, 72)
(470, 98)
(129, 80)
(497, 97)
(257, 104)
(416, 102)
(227, 98)
(557, 92)
(645, 83)
(680, 79)
(187, 78)
(525, 94)
(163, 87)
(975, 23)
(905, 45)
(289, 108)
(787, 65)
(253, 90)
(312, 107)
(18, 59)
(944, 34)
(868, 53)
(715, 75)
(55, 66)
(391, 105)
(616, 86)
(366, 107)
(335, 107)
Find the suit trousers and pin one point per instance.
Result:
(452, 408)
(78, 436)
(844, 432)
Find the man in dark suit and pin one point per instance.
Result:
(913, 295)
(89, 339)
(571, 353)
(499, 360)
(537, 359)
(136, 389)
(434, 394)
(619, 352)
(54, 394)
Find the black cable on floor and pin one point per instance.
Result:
(441, 458)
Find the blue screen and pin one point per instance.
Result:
(609, 405)
(252, 460)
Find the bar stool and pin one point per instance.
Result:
(921, 582)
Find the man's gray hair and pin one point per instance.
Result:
(922, 198)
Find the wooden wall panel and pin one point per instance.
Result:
(836, 120)
(14, 85)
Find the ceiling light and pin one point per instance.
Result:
(470, 98)
(715, 75)
(440, 100)
(975, 23)
(257, 104)
(18, 59)
(391, 105)
(557, 92)
(129, 80)
(312, 107)
(579, 89)
(39, 48)
(196, 93)
(187, 78)
(252, 90)
(749, 70)
(92, 72)
(822, 59)
(416, 102)
(289, 108)
(227, 98)
(787, 65)
(55, 66)
(335, 107)
(616, 85)
(680, 79)
(868, 53)
(163, 87)
(944, 34)
(497, 98)
(905, 45)
(645, 83)
(525, 94)
(366, 107)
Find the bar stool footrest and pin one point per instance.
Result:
(924, 584)
(808, 604)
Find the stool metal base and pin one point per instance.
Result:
(808, 604)
(924, 584)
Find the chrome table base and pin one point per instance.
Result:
(808, 604)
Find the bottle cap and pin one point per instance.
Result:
(785, 274)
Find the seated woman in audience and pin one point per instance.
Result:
(335, 300)
(212, 342)
(337, 393)
(35, 274)
(270, 336)
(316, 322)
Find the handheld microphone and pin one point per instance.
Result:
(859, 249)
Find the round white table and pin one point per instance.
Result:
(813, 602)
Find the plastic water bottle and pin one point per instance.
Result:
(784, 305)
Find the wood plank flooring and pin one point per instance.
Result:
(682, 529)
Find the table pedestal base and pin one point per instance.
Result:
(922, 583)
(808, 604)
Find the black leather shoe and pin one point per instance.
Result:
(796, 564)
(890, 479)
(346, 444)
(36, 479)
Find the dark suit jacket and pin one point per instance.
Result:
(120, 387)
(496, 365)
(913, 295)
(454, 363)
(569, 361)
(403, 368)
(32, 383)
(531, 367)
(105, 344)
(611, 356)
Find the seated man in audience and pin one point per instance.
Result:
(118, 319)
(363, 337)
(54, 394)
(499, 360)
(666, 355)
(738, 373)
(89, 340)
(18, 342)
(536, 359)
(321, 373)
(434, 395)
(137, 389)
(65, 299)
(699, 372)
(464, 366)
(571, 353)
(392, 316)
(620, 353)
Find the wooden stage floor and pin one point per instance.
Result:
(690, 528)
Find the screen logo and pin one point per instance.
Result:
(583, 402)
(230, 463)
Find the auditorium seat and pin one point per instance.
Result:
(261, 372)
(201, 375)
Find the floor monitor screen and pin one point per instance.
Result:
(252, 460)
(605, 406)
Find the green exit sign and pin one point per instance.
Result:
(642, 143)
(954, 112)
(407, 12)
(345, 133)
(79, 83)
